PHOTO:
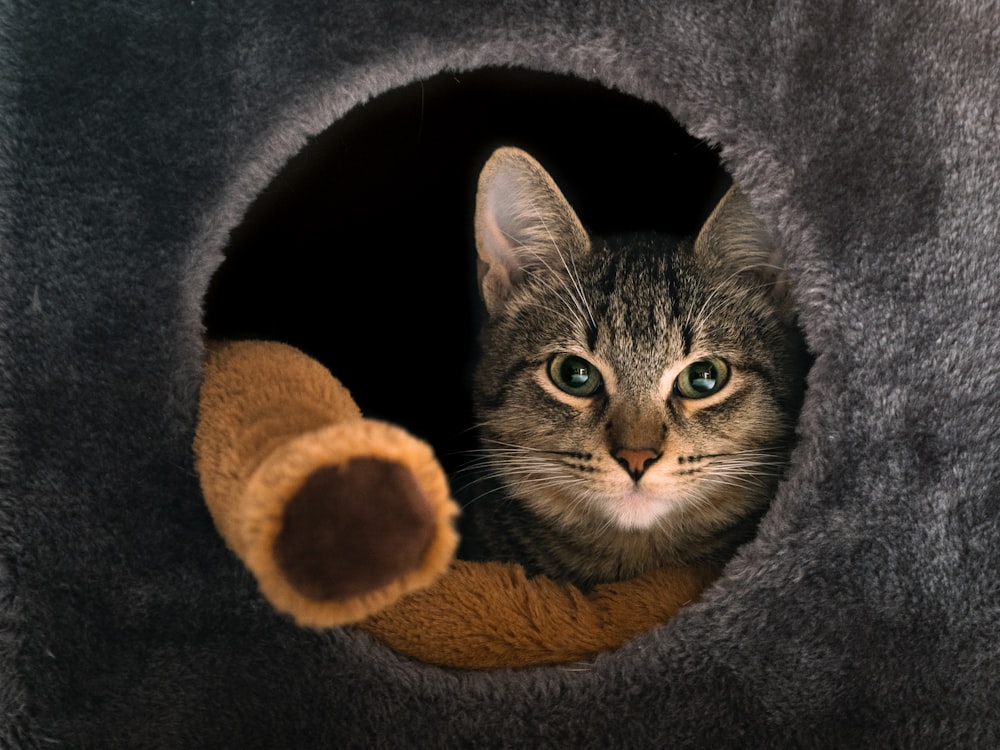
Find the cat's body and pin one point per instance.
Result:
(636, 395)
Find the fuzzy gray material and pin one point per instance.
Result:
(135, 136)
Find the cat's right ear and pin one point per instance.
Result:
(523, 223)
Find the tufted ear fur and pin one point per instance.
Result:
(522, 223)
(736, 238)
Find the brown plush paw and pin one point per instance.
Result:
(354, 528)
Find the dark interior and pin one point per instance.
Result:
(361, 253)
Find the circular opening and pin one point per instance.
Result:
(361, 252)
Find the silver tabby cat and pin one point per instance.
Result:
(636, 395)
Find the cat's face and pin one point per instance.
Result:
(634, 383)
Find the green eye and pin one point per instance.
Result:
(574, 375)
(702, 378)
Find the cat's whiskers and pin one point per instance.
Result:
(523, 467)
(581, 296)
(579, 310)
(726, 286)
(570, 319)
(501, 445)
(742, 295)
(576, 292)
(529, 480)
(739, 482)
(716, 290)
(750, 469)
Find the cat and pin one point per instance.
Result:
(636, 396)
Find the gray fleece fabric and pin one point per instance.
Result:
(137, 137)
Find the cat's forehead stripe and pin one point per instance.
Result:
(687, 334)
(592, 333)
(673, 288)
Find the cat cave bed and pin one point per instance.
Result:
(302, 174)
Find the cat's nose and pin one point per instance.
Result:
(635, 460)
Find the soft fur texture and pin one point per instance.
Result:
(133, 139)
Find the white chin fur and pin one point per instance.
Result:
(636, 510)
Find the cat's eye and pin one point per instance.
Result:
(702, 378)
(574, 375)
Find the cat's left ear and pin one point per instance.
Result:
(734, 236)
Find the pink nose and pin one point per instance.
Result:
(635, 460)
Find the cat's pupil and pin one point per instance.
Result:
(574, 375)
(702, 378)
